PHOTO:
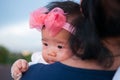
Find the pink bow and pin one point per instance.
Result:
(54, 21)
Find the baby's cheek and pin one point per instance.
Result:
(44, 54)
(68, 54)
(63, 56)
(44, 50)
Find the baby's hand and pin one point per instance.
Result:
(18, 68)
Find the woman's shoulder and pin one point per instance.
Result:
(60, 71)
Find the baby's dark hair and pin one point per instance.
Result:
(102, 20)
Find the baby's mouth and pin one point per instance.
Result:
(50, 61)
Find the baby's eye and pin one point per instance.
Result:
(60, 47)
(45, 44)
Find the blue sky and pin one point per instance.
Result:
(17, 10)
(14, 27)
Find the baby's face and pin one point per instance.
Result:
(56, 48)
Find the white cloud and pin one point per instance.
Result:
(19, 37)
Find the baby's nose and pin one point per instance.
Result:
(52, 54)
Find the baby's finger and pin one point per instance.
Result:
(19, 64)
(24, 65)
(16, 73)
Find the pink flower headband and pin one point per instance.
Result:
(54, 21)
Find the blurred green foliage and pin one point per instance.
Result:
(8, 57)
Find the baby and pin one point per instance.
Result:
(56, 28)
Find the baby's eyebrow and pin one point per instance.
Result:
(61, 42)
(43, 39)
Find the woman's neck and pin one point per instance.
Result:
(89, 64)
(113, 44)
(85, 64)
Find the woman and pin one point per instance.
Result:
(96, 53)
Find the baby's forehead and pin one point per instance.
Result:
(55, 40)
(63, 35)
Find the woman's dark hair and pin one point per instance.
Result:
(102, 20)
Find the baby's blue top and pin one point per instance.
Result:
(59, 71)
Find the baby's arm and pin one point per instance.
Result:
(18, 68)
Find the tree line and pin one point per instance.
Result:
(8, 57)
